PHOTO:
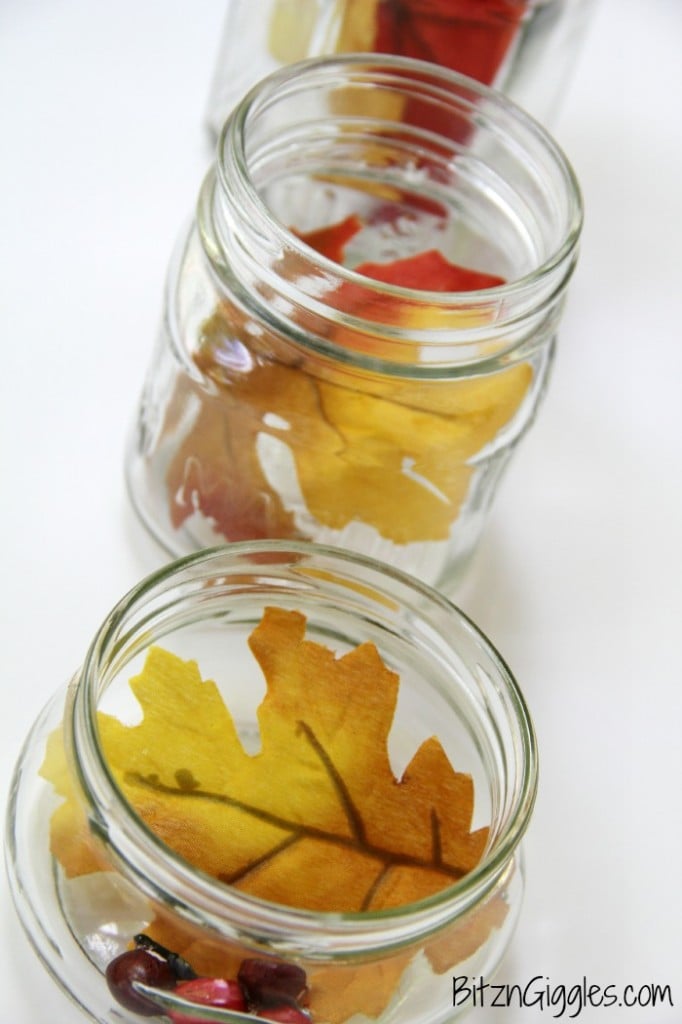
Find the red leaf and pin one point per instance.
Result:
(429, 271)
(469, 36)
(331, 241)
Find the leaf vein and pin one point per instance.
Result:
(390, 858)
(258, 862)
(352, 814)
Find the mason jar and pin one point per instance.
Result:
(360, 321)
(99, 871)
(525, 48)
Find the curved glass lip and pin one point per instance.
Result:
(186, 888)
(294, 77)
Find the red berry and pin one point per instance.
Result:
(138, 965)
(272, 983)
(285, 1014)
(207, 992)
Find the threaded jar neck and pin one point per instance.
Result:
(426, 159)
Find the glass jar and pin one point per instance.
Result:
(524, 48)
(88, 874)
(316, 376)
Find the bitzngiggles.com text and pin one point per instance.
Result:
(558, 1000)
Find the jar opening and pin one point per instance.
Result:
(428, 160)
(210, 587)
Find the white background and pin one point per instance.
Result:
(102, 149)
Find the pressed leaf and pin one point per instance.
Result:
(430, 271)
(338, 992)
(216, 470)
(335, 831)
(469, 36)
(346, 455)
(282, 445)
(420, 272)
(472, 37)
(70, 839)
(331, 241)
(315, 819)
(291, 28)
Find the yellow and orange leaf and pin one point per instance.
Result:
(398, 461)
(315, 819)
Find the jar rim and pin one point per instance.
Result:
(518, 294)
(167, 877)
